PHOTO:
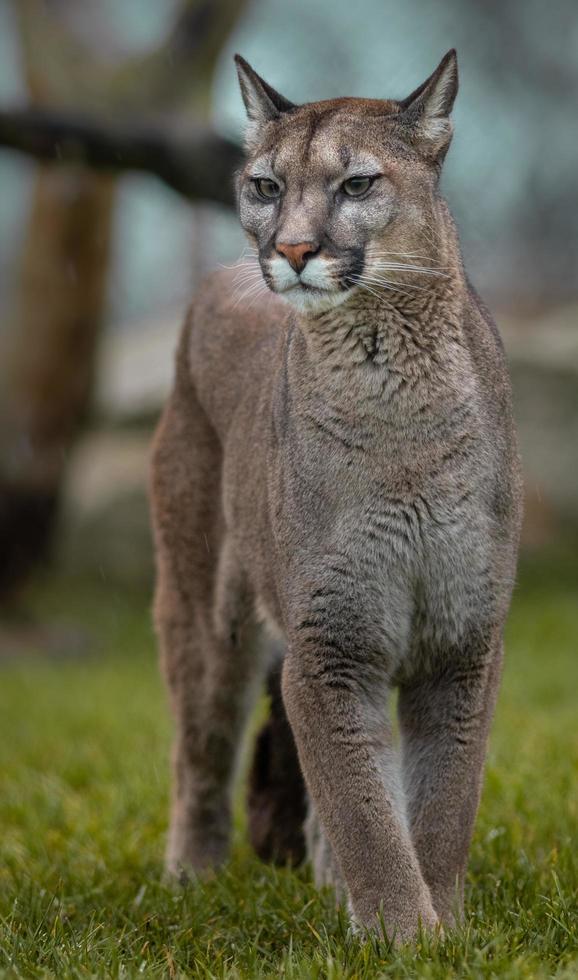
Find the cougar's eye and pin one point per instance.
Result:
(266, 188)
(356, 186)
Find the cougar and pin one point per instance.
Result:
(336, 498)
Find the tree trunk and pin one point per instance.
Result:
(51, 360)
(51, 348)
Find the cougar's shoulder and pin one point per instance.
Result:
(488, 358)
(490, 365)
(229, 343)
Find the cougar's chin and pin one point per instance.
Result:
(309, 299)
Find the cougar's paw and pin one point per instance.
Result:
(177, 876)
(195, 852)
(397, 927)
(181, 875)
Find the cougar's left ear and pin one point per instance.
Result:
(424, 115)
(262, 102)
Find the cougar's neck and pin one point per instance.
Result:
(389, 350)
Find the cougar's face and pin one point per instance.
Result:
(331, 190)
(312, 200)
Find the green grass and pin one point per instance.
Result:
(83, 802)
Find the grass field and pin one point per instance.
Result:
(83, 803)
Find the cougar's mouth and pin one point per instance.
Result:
(309, 288)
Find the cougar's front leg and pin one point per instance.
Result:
(342, 752)
(444, 721)
(319, 851)
(204, 622)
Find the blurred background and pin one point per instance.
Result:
(119, 130)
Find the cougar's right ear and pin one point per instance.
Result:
(262, 102)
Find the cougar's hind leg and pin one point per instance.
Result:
(283, 824)
(277, 799)
(204, 621)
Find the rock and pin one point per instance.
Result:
(105, 526)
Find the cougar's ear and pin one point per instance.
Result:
(424, 115)
(262, 102)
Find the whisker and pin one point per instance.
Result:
(247, 274)
(245, 258)
(240, 286)
(253, 288)
(255, 297)
(391, 284)
(246, 283)
(382, 284)
(245, 264)
(362, 285)
(254, 292)
(242, 274)
(247, 279)
(379, 253)
(411, 255)
(406, 267)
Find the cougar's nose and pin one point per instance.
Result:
(298, 254)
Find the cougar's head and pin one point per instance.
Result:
(340, 195)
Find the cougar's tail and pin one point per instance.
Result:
(277, 800)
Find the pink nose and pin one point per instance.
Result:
(298, 254)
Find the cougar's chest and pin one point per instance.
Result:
(402, 501)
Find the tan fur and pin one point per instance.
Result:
(348, 473)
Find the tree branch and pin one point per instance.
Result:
(199, 166)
